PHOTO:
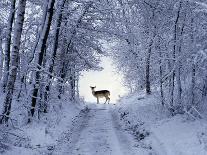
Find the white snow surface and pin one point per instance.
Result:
(178, 135)
(41, 136)
(99, 135)
(137, 125)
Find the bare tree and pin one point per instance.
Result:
(1, 55)
(41, 53)
(8, 43)
(14, 61)
(54, 50)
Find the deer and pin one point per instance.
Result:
(100, 94)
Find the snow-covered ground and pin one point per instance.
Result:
(138, 124)
(41, 136)
(101, 136)
(156, 130)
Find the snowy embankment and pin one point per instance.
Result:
(41, 136)
(156, 130)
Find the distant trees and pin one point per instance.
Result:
(166, 45)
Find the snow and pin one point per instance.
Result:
(138, 124)
(168, 135)
(98, 135)
(154, 45)
(181, 137)
(42, 135)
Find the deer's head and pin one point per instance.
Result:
(92, 88)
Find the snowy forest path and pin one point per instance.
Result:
(102, 135)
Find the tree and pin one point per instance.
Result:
(8, 43)
(54, 50)
(1, 55)
(40, 54)
(14, 61)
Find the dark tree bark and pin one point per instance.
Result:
(147, 73)
(41, 51)
(8, 44)
(14, 61)
(54, 50)
(172, 80)
(1, 55)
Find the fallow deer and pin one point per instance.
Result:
(100, 94)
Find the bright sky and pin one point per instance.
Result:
(106, 79)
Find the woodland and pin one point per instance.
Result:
(157, 45)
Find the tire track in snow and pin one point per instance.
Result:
(98, 138)
(96, 132)
(102, 136)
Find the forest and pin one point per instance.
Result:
(159, 46)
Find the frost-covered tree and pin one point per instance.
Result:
(163, 41)
(14, 61)
(40, 52)
(7, 50)
(1, 54)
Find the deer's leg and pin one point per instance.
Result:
(108, 100)
(97, 100)
(105, 101)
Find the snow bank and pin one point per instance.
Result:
(41, 136)
(156, 130)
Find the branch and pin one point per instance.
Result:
(42, 69)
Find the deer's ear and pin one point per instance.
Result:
(95, 87)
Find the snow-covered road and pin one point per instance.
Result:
(102, 135)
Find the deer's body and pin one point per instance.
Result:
(101, 94)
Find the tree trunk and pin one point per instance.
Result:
(54, 50)
(20, 89)
(160, 76)
(39, 31)
(152, 35)
(1, 56)
(72, 83)
(148, 59)
(14, 61)
(204, 90)
(8, 44)
(193, 74)
(179, 86)
(77, 85)
(147, 73)
(179, 66)
(193, 65)
(62, 75)
(41, 51)
(174, 58)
